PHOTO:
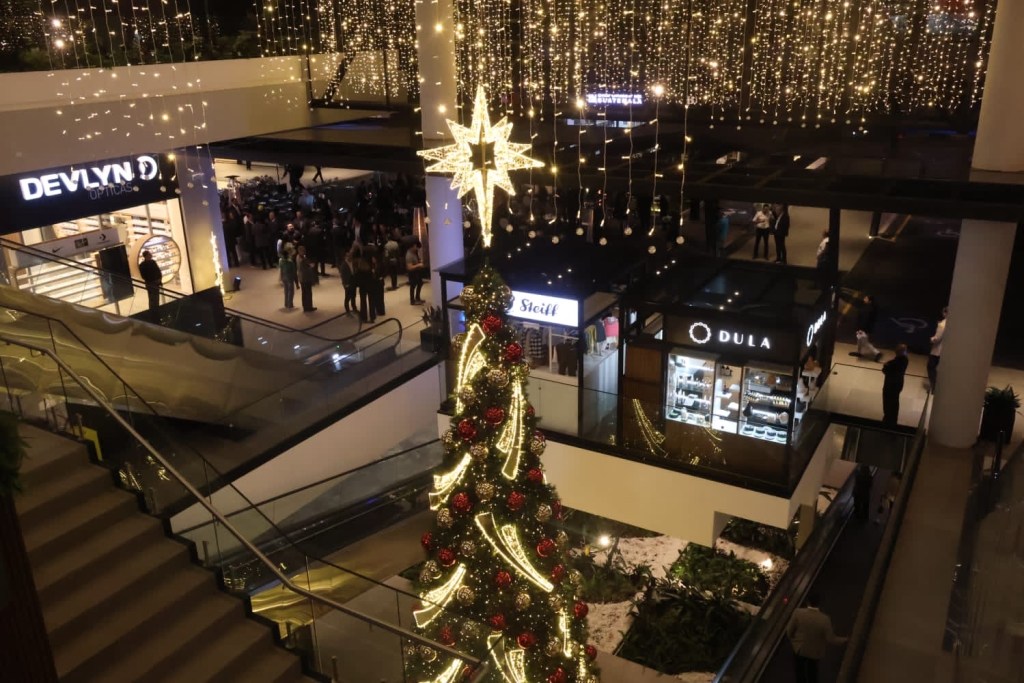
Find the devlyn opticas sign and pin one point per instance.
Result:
(53, 195)
(114, 178)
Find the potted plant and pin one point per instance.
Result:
(1000, 413)
(433, 338)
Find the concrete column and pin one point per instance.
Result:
(200, 209)
(975, 302)
(435, 37)
(999, 145)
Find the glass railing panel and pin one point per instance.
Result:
(856, 390)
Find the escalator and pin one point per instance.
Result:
(239, 406)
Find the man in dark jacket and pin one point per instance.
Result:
(153, 277)
(894, 370)
(780, 229)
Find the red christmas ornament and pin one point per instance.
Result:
(559, 676)
(557, 573)
(537, 434)
(526, 640)
(503, 579)
(446, 636)
(446, 556)
(535, 476)
(580, 609)
(546, 547)
(494, 415)
(515, 501)
(556, 509)
(514, 352)
(467, 430)
(591, 652)
(491, 323)
(461, 502)
(530, 412)
(498, 622)
(427, 540)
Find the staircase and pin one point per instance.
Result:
(122, 601)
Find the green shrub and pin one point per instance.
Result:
(681, 629)
(610, 581)
(724, 576)
(760, 537)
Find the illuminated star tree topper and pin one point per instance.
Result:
(480, 159)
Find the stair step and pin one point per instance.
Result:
(99, 594)
(274, 665)
(49, 455)
(61, 491)
(146, 635)
(75, 563)
(77, 525)
(214, 656)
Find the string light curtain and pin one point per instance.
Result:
(789, 62)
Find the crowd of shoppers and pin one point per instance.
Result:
(365, 235)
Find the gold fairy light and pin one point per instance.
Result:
(480, 159)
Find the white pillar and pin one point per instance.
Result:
(200, 209)
(435, 37)
(975, 301)
(999, 145)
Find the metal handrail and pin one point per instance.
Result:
(171, 294)
(480, 665)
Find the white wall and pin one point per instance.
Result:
(401, 418)
(73, 116)
(662, 500)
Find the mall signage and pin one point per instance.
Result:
(545, 309)
(815, 327)
(52, 195)
(732, 336)
(615, 99)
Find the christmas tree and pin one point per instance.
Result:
(497, 584)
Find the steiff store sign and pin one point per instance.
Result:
(59, 194)
(541, 308)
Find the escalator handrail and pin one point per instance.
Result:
(304, 487)
(220, 517)
(206, 463)
(171, 294)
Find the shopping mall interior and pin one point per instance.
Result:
(539, 341)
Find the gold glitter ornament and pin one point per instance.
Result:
(553, 648)
(467, 548)
(485, 491)
(465, 595)
(543, 512)
(411, 652)
(469, 630)
(522, 601)
(537, 446)
(561, 538)
(431, 571)
(444, 518)
(498, 377)
(448, 438)
(428, 653)
(478, 451)
(467, 395)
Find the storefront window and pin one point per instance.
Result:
(689, 388)
(767, 401)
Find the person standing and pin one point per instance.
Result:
(936, 350)
(780, 228)
(316, 245)
(863, 479)
(232, 231)
(307, 278)
(349, 282)
(894, 371)
(289, 276)
(261, 242)
(415, 268)
(866, 319)
(364, 280)
(721, 232)
(762, 228)
(810, 633)
(153, 277)
(391, 251)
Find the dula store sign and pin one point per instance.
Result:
(701, 333)
(49, 196)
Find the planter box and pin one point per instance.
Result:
(996, 420)
(435, 342)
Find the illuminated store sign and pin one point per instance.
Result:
(701, 333)
(813, 328)
(53, 195)
(622, 99)
(114, 178)
(545, 309)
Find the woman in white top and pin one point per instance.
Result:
(762, 228)
(936, 351)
